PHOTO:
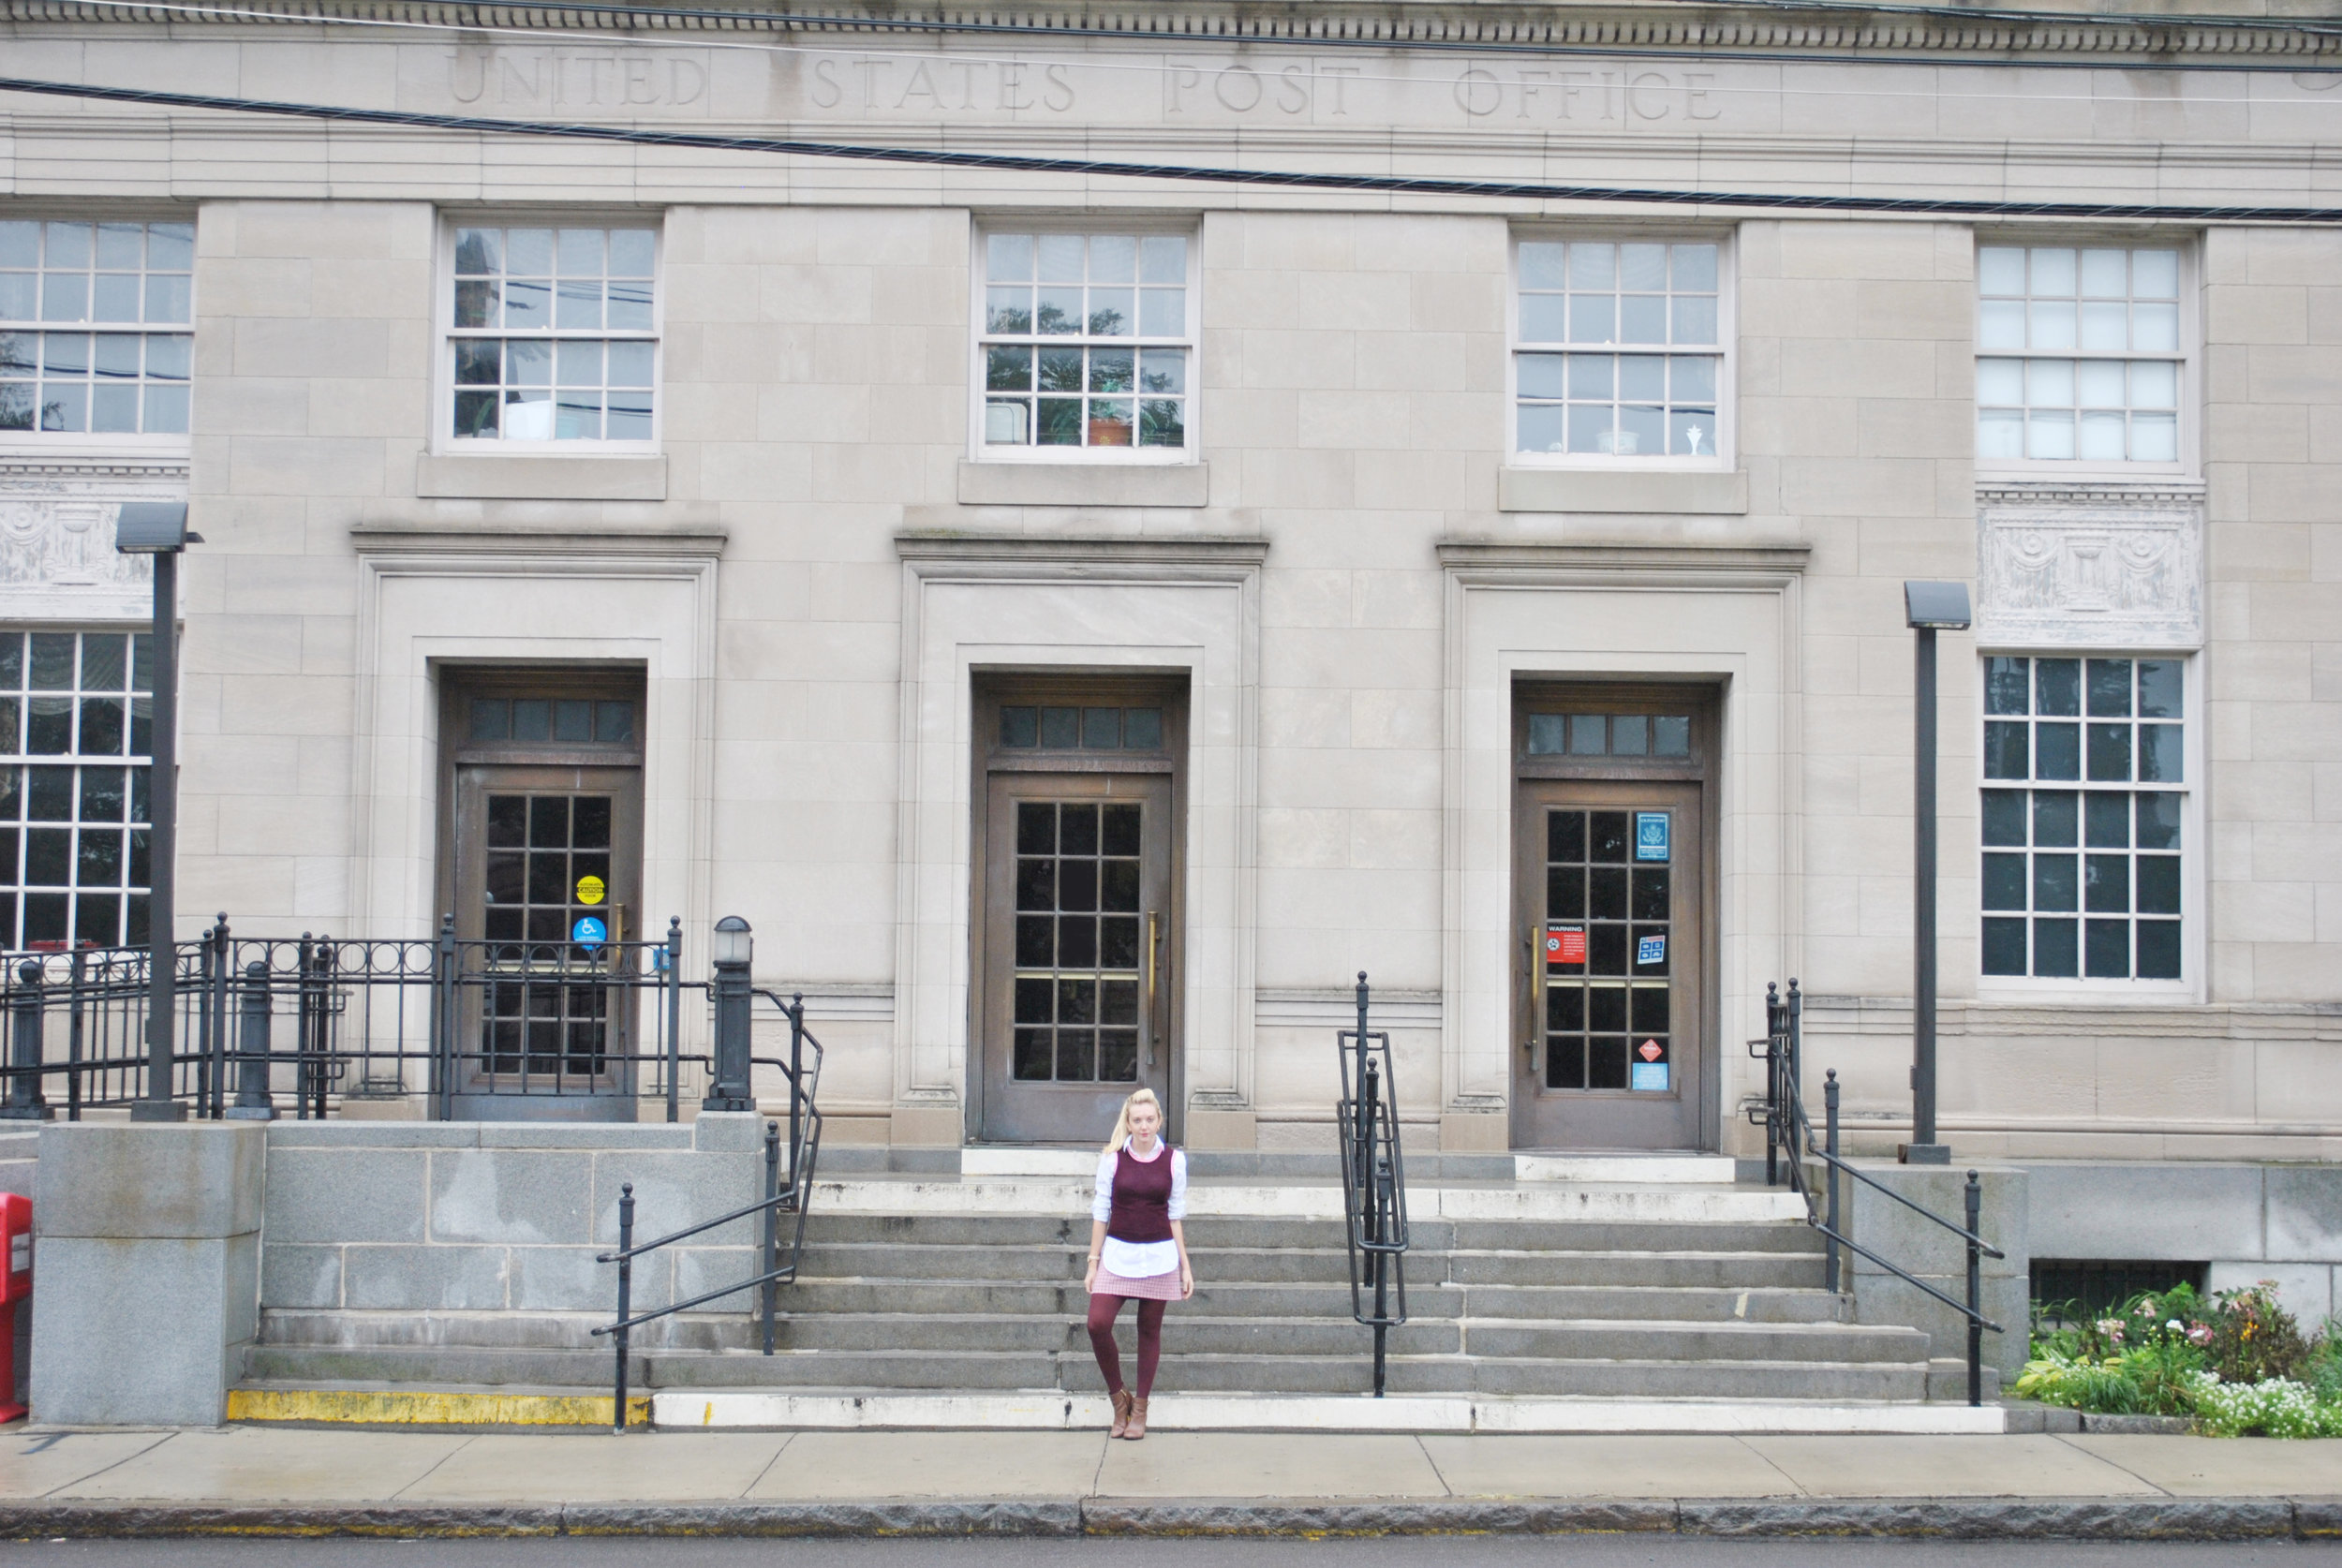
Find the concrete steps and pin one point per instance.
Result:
(1538, 1290)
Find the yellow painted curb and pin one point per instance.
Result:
(424, 1407)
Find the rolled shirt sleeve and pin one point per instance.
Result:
(1102, 1205)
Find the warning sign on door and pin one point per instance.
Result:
(1565, 944)
(590, 889)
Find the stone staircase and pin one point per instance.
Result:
(968, 1284)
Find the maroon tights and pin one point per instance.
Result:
(1102, 1310)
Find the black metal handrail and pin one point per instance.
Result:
(1790, 1130)
(1373, 1180)
(793, 1196)
(283, 1024)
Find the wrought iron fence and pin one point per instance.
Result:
(291, 1026)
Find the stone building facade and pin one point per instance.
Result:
(1497, 591)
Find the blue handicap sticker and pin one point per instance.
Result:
(1650, 950)
(1650, 835)
(1650, 1075)
(589, 932)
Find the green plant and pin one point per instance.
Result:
(2102, 1386)
(2253, 1338)
(2278, 1407)
(2321, 1369)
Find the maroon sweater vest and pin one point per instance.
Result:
(1142, 1198)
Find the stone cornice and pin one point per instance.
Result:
(1662, 25)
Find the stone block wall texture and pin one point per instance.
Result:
(1938, 1257)
(429, 1217)
(146, 1270)
(2247, 1223)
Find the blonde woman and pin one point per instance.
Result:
(1137, 1249)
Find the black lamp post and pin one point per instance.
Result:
(160, 529)
(730, 947)
(1927, 608)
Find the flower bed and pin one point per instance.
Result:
(2238, 1365)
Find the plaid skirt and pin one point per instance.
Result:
(1154, 1287)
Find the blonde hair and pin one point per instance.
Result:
(1123, 1119)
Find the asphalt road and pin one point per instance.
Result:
(1564, 1551)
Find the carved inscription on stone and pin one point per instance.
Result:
(2093, 572)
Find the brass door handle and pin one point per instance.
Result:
(1529, 953)
(1154, 939)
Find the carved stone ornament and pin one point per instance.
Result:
(57, 556)
(2074, 568)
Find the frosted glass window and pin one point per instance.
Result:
(1617, 350)
(2064, 335)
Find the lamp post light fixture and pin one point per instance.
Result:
(1927, 608)
(160, 529)
(732, 947)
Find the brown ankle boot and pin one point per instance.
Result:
(1137, 1428)
(1121, 1411)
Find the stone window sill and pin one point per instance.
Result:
(499, 477)
(1084, 484)
(1633, 490)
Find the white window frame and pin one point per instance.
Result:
(58, 443)
(2190, 358)
(1726, 350)
(2194, 943)
(1191, 231)
(444, 440)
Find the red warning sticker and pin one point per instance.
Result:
(1565, 944)
(1649, 1050)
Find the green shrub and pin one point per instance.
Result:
(2253, 1338)
(2321, 1369)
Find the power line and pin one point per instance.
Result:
(1296, 180)
(781, 20)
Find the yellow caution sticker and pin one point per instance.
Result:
(590, 890)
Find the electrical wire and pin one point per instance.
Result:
(782, 20)
(1296, 180)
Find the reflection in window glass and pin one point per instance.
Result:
(1085, 340)
(76, 725)
(2082, 862)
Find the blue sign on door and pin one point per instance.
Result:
(1650, 950)
(589, 932)
(1650, 835)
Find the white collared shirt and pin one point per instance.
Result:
(1138, 1259)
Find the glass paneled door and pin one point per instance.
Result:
(1609, 1021)
(1077, 952)
(541, 865)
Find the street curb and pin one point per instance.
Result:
(2161, 1519)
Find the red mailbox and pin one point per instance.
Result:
(16, 1288)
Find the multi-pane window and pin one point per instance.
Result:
(1623, 735)
(1618, 350)
(552, 335)
(76, 727)
(1078, 949)
(1069, 729)
(79, 308)
(1608, 920)
(2082, 812)
(2079, 354)
(1086, 342)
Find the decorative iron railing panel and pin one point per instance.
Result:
(293, 1026)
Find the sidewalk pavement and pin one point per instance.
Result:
(307, 1480)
